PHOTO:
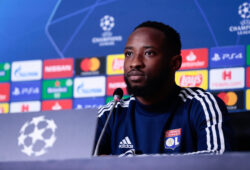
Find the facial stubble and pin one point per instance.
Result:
(152, 86)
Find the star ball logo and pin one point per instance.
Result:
(107, 23)
(244, 27)
(37, 136)
(244, 10)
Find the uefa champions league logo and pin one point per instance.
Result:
(244, 10)
(243, 28)
(37, 135)
(107, 23)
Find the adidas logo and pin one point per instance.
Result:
(126, 143)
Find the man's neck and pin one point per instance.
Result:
(161, 94)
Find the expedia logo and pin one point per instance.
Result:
(191, 80)
(90, 66)
(233, 99)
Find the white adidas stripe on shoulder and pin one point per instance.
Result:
(122, 103)
(222, 140)
(211, 114)
(109, 105)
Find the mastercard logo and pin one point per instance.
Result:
(90, 64)
(229, 98)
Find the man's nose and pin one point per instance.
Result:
(137, 62)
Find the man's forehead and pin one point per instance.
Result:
(147, 32)
(146, 36)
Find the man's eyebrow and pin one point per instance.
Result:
(128, 47)
(146, 47)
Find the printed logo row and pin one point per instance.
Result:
(220, 57)
(234, 101)
(98, 86)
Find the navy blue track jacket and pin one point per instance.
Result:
(191, 120)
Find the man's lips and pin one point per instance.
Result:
(135, 75)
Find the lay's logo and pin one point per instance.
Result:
(191, 80)
(197, 78)
(4, 108)
(115, 64)
(248, 99)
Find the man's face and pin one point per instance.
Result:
(146, 66)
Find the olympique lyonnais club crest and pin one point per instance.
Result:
(172, 138)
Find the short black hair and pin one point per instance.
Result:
(171, 35)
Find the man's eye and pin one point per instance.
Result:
(128, 54)
(149, 53)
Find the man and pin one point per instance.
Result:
(161, 117)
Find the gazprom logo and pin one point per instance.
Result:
(20, 73)
(26, 70)
(82, 90)
(89, 86)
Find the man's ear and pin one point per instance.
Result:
(176, 62)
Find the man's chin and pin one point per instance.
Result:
(136, 91)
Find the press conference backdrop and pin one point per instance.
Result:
(60, 54)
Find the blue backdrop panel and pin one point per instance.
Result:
(59, 28)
